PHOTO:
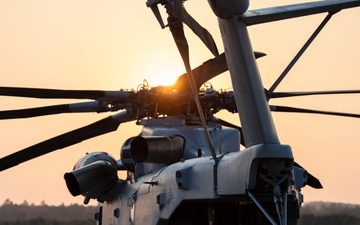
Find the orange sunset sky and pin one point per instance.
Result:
(108, 45)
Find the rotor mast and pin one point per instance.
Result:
(254, 111)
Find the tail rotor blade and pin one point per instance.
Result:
(300, 110)
(98, 128)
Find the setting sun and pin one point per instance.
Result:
(164, 74)
(164, 77)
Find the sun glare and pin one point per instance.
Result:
(166, 75)
(163, 78)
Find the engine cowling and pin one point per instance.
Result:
(152, 149)
(93, 176)
(157, 149)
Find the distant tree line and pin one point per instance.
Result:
(42, 221)
(43, 214)
(321, 213)
(326, 208)
(331, 219)
(315, 213)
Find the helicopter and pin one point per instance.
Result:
(171, 117)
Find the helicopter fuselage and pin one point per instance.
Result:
(156, 194)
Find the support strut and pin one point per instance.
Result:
(302, 50)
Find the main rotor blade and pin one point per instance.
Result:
(177, 32)
(98, 128)
(295, 94)
(202, 74)
(180, 12)
(62, 94)
(206, 72)
(300, 110)
(95, 106)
